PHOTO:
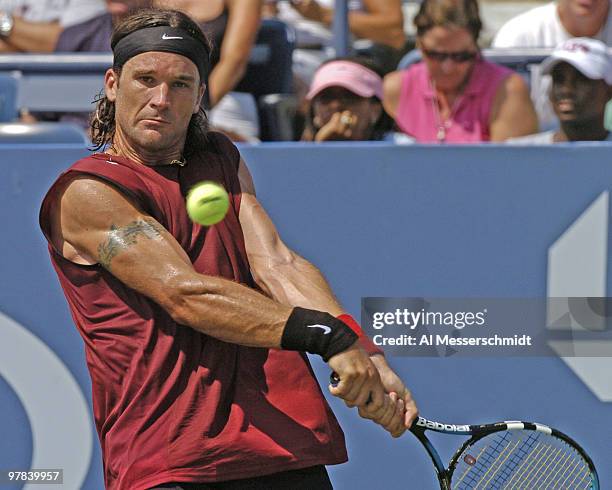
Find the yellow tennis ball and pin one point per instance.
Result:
(207, 203)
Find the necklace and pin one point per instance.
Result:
(443, 126)
(180, 162)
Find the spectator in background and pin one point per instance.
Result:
(379, 21)
(35, 25)
(94, 35)
(454, 95)
(581, 72)
(549, 25)
(345, 100)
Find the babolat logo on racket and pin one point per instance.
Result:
(428, 424)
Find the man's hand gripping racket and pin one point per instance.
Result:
(508, 456)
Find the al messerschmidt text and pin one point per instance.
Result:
(449, 340)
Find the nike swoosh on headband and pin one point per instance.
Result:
(325, 328)
(166, 37)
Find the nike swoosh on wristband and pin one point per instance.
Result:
(166, 37)
(325, 328)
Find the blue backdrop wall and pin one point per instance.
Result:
(378, 220)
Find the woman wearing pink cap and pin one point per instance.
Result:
(453, 95)
(345, 102)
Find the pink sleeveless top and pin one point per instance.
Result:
(417, 113)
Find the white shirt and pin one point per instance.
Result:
(545, 138)
(67, 12)
(541, 27)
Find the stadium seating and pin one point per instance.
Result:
(69, 82)
(277, 117)
(73, 78)
(66, 82)
(56, 82)
(269, 79)
(8, 98)
(38, 133)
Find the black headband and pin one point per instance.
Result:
(163, 38)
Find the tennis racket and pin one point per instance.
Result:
(508, 456)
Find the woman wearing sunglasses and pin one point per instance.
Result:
(454, 95)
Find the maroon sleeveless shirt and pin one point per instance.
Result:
(172, 404)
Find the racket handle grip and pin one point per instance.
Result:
(334, 379)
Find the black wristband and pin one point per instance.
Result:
(316, 332)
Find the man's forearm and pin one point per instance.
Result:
(224, 77)
(5, 47)
(228, 311)
(34, 37)
(378, 28)
(297, 282)
(239, 315)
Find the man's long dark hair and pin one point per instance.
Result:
(103, 120)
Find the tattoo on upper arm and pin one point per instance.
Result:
(121, 238)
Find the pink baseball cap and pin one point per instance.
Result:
(349, 75)
(589, 56)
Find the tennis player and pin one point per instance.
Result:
(195, 338)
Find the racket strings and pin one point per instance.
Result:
(521, 460)
(556, 467)
(495, 461)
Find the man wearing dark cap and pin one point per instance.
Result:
(196, 337)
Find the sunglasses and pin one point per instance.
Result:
(458, 56)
